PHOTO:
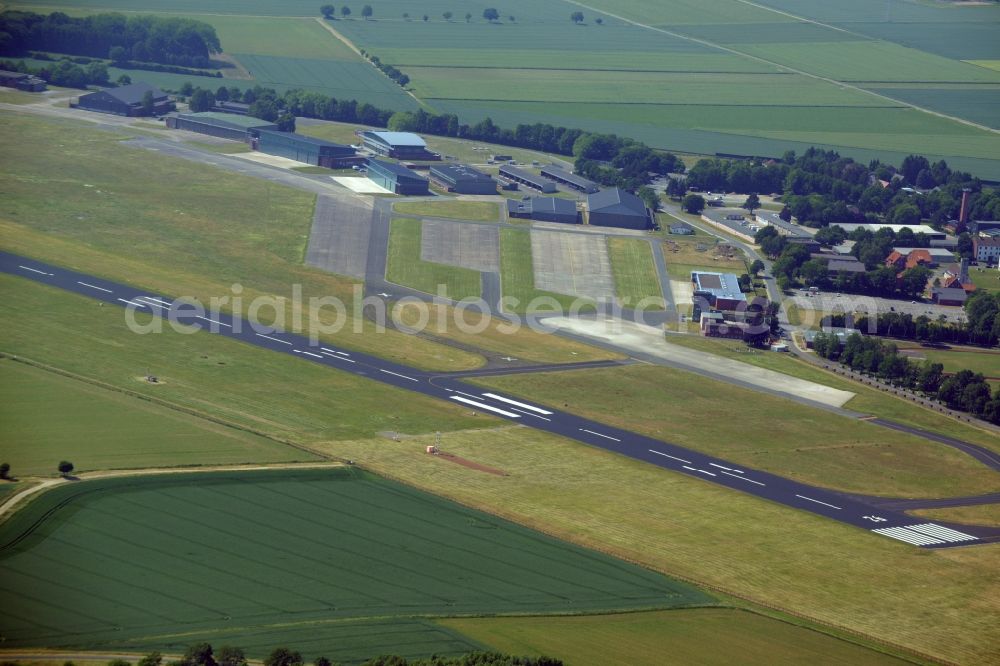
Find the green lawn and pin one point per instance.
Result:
(767, 432)
(131, 213)
(707, 636)
(986, 278)
(98, 428)
(867, 400)
(518, 274)
(191, 554)
(982, 514)
(635, 273)
(817, 568)
(405, 267)
(251, 387)
(477, 211)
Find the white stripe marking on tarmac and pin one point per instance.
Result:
(909, 536)
(667, 455)
(158, 301)
(818, 502)
(690, 468)
(941, 532)
(728, 469)
(613, 439)
(299, 351)
(94, 286)
(486, 407)
(388, 372)
(213, 321)
(34, 270)
(468, 395)
(338, 358)
(135, 303)
(334, 351)
(707, 472)
(268, 337)
(521, 411)
(517, 404)
(743, 478)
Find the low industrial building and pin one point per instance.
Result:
(238, 108)
(22, 81)
(930, 232)
(462, 179)
(682, 229)
(399, 145)
(306, 149)
(719, 291)
(544, 209)
(715, 325)
(222, 125)
(617, 208)
(949, 295)
(527, 178)
(126, 101)
(570, 179)
(396, 178)
(938, 255)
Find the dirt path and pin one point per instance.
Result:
(19, 498)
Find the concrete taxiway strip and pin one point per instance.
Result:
(850, 510)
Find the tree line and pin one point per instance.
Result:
(202, 654)
(63, 73)
(170, 41)
(965, 390)
(820, 187)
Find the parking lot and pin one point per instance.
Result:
(838, 303)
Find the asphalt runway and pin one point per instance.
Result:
(552, 419)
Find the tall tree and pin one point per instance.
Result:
(491, 14)
(468, 17)
(693, 203)
(447, 16)
(366, 12)
(345, 11)
(327, 11)
(752, 202)
(576, 17)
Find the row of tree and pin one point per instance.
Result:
(202, 654)
(64, 73)
(821, 187)
(171, 41)
(965, 390)
(389, 70)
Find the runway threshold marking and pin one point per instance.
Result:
(94, 286)
(909, 536)
(488, 408)
(941, 532)
(522, 405)
(389, 372)
(810, 499)
(613, 439)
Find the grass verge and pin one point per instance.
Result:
(518, 275)
(982, 514)
(635, 273)
(405, 267)
(477, 211)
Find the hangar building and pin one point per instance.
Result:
(396, 178)
(570, 179)
(400, 145)
(125, 100)
(463, 179)
(222, 125)
(545, 209)
(721, 291)
(302, 148)
(618, 208)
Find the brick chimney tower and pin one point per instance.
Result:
(963, 211)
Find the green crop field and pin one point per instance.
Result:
(479, 211)
(635, 273)
(811, 445)
(97, 428)
(405, 267)
(707, 636)
(517, 273)
(192, 554)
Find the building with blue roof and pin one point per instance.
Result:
(399, 145)
(396, 178)
(302, 148)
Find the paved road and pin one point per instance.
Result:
(552, 419)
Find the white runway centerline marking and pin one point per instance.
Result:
(158, 301)
(667, 455)
(810, 499)
(34, 270)
(94, 286)
(743, 478)
(389, 372)
(334, 351)
(268, 337)
(488, 408)
(613, 439)
(219, 323)
(307, 353)
(728, 469)
(338, 358)
(135, 303)
(518, 404)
